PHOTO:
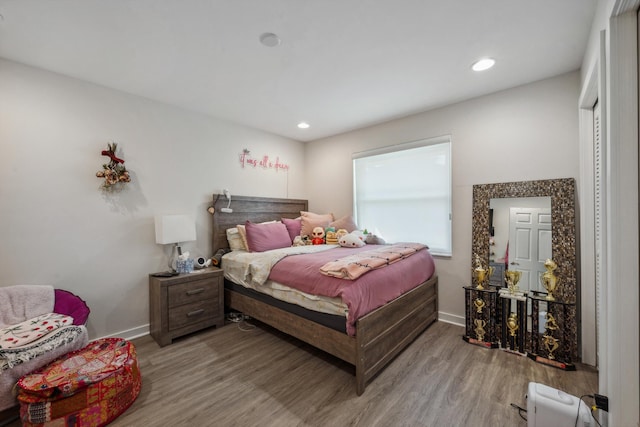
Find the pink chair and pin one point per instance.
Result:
(65, 303)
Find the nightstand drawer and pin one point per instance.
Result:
(192, 313)
(189, 292)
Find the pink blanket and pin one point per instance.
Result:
(363, 295)
(353, 266)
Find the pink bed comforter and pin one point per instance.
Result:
(361, 296)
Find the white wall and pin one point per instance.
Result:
(610, 74)
(529, 132)
(59, 228)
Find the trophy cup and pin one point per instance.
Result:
(512, 324)
(549, 280)
(481, 274)
(479, 303)
(512, 277)
(550, 323)
(480, 324)
(551, 344)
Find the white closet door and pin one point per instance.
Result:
(598, 185)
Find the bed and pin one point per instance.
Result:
(379, 335)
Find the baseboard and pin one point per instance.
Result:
(130, 334)
(454, 319)
(10, 416)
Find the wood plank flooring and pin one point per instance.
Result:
(259, 377)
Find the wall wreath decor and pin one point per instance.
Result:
(114, 173)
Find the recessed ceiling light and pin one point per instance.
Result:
(269, 39)
(303, 125)
(483, 64)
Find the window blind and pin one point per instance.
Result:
(403, 193)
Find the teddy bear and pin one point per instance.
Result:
(351, 240)
(317, 236)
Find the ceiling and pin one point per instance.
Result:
(341, 64)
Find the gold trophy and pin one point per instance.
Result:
(479, 303)
(480, 324)
(549, 280)
(512, 324)
(481, 274)
(551, 344)
(550, 323)
(512, 277)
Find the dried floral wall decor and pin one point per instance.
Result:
(114, 172)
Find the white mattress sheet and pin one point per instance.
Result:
(235, 265)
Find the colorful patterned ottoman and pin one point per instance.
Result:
(87, 387)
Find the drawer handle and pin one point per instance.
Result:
(195, 312)
(195, 291)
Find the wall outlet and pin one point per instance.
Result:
(602, 402)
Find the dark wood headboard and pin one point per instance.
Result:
(254, 209)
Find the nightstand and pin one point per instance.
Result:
(185, 303)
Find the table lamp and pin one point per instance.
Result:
(174, 229)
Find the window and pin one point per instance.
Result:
(402, 193)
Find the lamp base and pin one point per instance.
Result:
(176, 250)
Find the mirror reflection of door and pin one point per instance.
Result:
(529, 244)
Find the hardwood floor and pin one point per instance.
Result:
(259, 377)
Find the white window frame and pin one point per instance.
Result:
(445, 248)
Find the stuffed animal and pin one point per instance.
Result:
(341, 232)
(317, 236)
(372, 239)
(359, 234)
(301, 241)
(331, 238)
(351, 240)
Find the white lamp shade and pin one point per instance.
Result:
(175, 229)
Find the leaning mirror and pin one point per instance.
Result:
(558, 241)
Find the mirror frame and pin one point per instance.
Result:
(563, 224)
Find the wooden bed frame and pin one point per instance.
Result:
(380, 335)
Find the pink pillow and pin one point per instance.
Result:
(72, 305)
(345, 222)
(311, 220)
(264, 237)
(293, 226)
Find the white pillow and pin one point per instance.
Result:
(235, 240)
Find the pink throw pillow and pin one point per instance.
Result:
(345, 222)
(264, 237)
(72, 305)
(293, 226)
(311, 220)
